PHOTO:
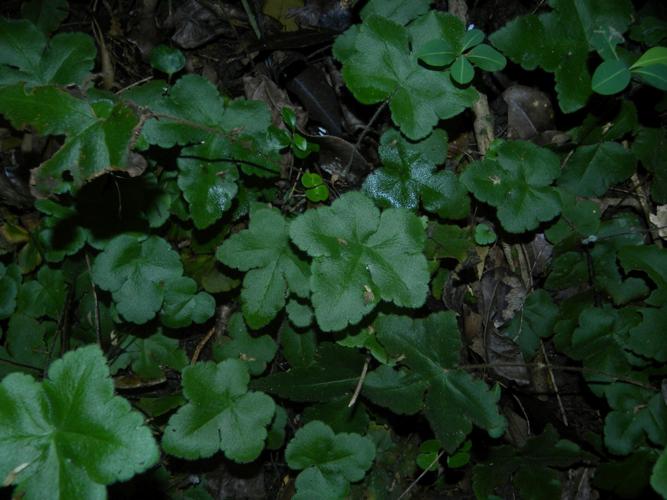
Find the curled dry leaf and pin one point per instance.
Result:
(529, 112)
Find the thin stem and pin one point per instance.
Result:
(360, 383)
(251, 19)
(368, 126)
(542, 366)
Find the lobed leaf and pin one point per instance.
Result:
(69, 436)
(361, 257)
(221, 414)
(515, 177)
(273, 269)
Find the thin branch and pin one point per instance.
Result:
(360, 383)
(542, 366)
(368, 126)
(413, 483)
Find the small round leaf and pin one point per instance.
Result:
(610, 77)
(484, 234)
(167, 59)
(310, 180)
(471, 38)
(654, 55)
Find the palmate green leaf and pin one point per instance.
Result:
(397, 10)
(221, 414)
(45, 14)
(273, 269)
(137, 271)
(361, 257)
(300, 315)
(329, 461)
(648, 338)
(455, 400)
(26, 55)
(149, 355)
(559, 42)
(98, 135)
(256, 352)
(515, 177)
(333, 372)
(183, 305)
(220, 137)
(593, 169)
(69, 436)
(379, 65)
(636, 412)
(408, 176)
(611, 77)
(299, 349)
(580, 219)
(447, 242)
(440, 26)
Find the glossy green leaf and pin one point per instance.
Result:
(272, 268)
(559, 42)
(69, 436)
(462, 71)
(382, 67)
(149, 355)
(327, 458)
(515, 177)
(654, 55)
(455, 400)
(26, 55)
(611, 77)
(397, 10)
(361, 257)
(137, 273)
(45, 14)
(183, 305)
(221, 414)
(167, 59)
(334, 372)
(487, 58)
(408, 177)
(471, 38)
(655, 75)
(399, 390)
(255, 351)
(98, 136)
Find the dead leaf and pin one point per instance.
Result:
(529, 112)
